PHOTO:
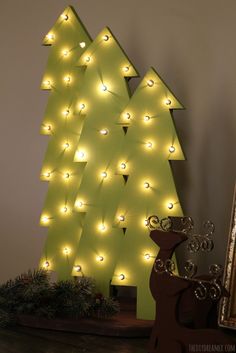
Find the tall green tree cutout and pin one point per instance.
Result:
(63, 121)
(105, 95)
(150, 143)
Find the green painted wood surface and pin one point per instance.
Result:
(63, 122)
(107, 161)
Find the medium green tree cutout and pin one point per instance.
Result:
(105, 94)
(150, 143)
(62, 122)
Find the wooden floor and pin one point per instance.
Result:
(24, 340)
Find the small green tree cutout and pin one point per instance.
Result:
(63, 122)
(150, 143)
(105, 94)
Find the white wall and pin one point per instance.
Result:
(190, 43)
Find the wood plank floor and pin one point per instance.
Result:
(23, 340)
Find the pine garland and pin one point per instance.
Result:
(32, 293)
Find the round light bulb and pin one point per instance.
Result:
(67, 79)
(102, 227)
(45, 219)
(170, 205)
(121, 276)
(48, 127)
(127, 116)
(46, 264)
(172, 149)
(150, 83)
(65, 52)
(82, 44)
(168, 101)
(65, 17)
(104, 132)
(146, 118)
(121, 218)
(64, 209)
(66, 175)
(146, 185)
(47, 83)
(103, 88)
(47, 174)
(126, 68)
(79, 204)
(77, 268)
(106, 38)
(149, 144)
(81, 154)
(66, 145)
(147, 256)
(87, 59)
(146, 222)
(100, 258)
(50, 36)
(104, 174)
(66, 112)
(82, 106)
(123, 165)
(66, 251)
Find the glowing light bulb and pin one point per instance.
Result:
(50, 36)
(82, 106)
(104, 132)
(127, 116)
(48, 127)
(66, 145)
(126, 68)
(106, 38)
(67, 79)
(150, 83)
(170, 205)
(104, 174)
(88, 59)
(147, 256)
(65, 17)
(168, 101)
(103, 88)
(102, 227)
(47, 83)
(66, 175)
(66, 113)
(45, 219)
(65, 52)
(80, 154)
(149, 144)
(46, 264)
(82, 44)
(172, 149)
(146, 222)
(64, 209)
(146, 185)
(79, 204)
(123, 165)
(47, 174)
(100, 258)
(121, 218)
(66, 251)
(121, 276)
(78, 268)
(146, 118)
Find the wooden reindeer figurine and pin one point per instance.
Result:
(168, 336)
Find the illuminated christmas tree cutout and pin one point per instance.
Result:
(63, 121)
(106, 93)
(150, 143)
